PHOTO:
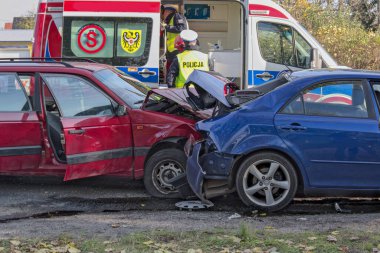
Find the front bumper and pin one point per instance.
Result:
(208, 171)
(194, 172)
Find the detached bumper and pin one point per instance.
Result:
(194, 172)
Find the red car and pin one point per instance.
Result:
(81, 119)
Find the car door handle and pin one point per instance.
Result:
(293, 127)
(76, 131)
(146, 72)
(265, 75)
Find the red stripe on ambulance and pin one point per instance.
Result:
(50, 7)
(265, 11)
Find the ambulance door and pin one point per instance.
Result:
(125, 34)
(279, 43)
(277, 47)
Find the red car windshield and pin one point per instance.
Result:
(130, 90)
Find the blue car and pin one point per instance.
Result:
(310, 133)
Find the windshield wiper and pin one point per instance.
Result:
(139, 102)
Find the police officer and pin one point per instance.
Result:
(173, 23)
(187, 61)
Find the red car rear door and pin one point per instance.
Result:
(20, 128)
(97, 141)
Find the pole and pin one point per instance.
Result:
(378, 15)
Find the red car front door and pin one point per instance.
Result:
(20, 129)
(96, 141)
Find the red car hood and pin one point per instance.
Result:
(179, 96)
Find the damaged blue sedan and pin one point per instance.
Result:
(310, 133)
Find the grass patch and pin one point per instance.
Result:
(244, 239)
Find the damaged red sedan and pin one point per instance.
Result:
(81, 119)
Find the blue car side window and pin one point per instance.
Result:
(336, 99)
(294, 107)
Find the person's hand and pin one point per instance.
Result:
(163, 25)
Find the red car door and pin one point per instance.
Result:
(20, 129)
(96, 141)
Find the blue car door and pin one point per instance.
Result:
(333, 128)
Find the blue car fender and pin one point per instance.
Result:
(273, 142)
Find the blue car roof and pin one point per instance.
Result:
(334, 73)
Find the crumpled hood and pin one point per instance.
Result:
(179, 96)
(212, 82)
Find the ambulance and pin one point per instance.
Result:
(248, 41)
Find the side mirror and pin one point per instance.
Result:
(121, 110)
(315, 61)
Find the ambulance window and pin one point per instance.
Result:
(302, 51)
(282, 44)
(92, 39)
(275, 42)
(134, 36)
(131, 39)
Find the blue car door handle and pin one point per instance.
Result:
(293, 127)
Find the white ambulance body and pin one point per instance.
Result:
(250, 41)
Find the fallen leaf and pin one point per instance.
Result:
(236, 239)
(72, 248)
(15, 242)
(331, 238)
(354, 238)
(289, 242)
(234, 216)
(313, 238)
(60, 249)
(194, 251)
(344, 249)
(257, 250)
(43, 251)
(301, 246)
(335, 232)
(148, 243)
(115, 225)
(272, 250)
(262, 214)
(310, 248)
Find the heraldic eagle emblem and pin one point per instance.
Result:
(131, 40)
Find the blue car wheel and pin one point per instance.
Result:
(267, 181)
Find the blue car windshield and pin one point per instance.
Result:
(131, 91)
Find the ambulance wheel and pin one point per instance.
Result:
(162, 167)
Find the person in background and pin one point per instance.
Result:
(187, 61)
(173, 24)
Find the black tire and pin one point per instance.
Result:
(284, 177)
(172, 160)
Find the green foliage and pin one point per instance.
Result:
(339, 32)
(25, 22)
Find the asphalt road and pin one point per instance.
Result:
(109, 207)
